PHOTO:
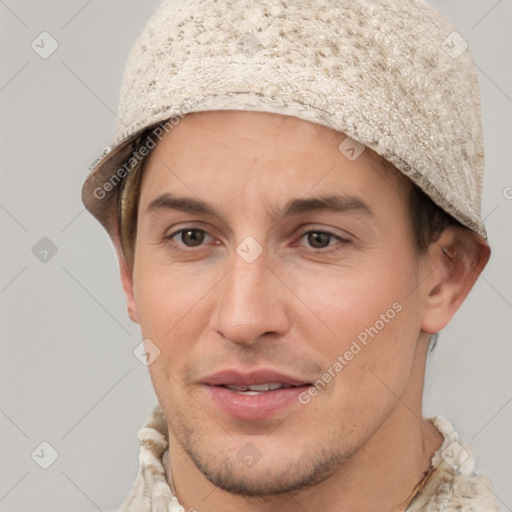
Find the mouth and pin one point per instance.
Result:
(253, 396)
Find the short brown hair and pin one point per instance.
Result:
(428, 219)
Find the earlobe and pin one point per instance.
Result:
(454, 263)
(127, 281)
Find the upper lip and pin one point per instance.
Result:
(262, 376)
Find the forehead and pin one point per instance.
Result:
(240, 154)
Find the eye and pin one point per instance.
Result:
(321, 239)
(189, 237)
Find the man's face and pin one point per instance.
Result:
(315, 293)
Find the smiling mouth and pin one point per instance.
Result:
(255, 395)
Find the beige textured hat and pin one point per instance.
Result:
(392, 74)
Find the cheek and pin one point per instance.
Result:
(348, 301)
(169, 311)
(173, 309)
(369, 319)
(368, 356)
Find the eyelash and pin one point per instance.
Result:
(342, 242)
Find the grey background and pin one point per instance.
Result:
(68, 373)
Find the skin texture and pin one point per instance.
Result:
(361, 444)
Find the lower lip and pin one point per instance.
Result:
(254, 407)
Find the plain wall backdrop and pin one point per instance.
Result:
(69, 377)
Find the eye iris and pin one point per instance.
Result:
(318, 239)
(192, 237)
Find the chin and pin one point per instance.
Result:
(247, 473)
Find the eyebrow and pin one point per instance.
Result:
(337, 203)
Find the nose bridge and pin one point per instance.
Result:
(249, 302)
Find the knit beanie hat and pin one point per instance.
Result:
(393, 75)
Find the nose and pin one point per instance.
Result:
(250, 302)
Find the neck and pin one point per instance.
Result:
(379, 476)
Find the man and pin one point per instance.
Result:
(294, 195)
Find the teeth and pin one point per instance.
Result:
(257, 387)
(265, 387)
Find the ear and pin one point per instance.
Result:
(127, 280)
(450, 270)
